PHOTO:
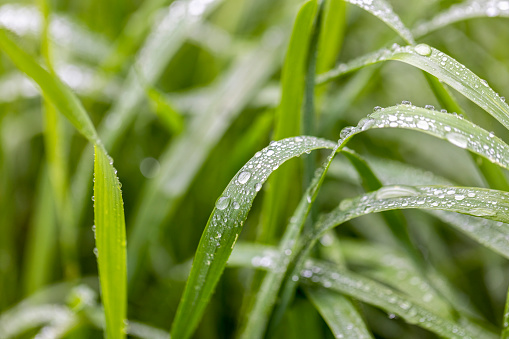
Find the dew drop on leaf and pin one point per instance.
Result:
(423, 49)
(243, 177)
(457, 139)
(222, 203)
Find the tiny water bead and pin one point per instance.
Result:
(387, 192)
(423, 49)
(422, 125)
(258, 187)
(345, 132)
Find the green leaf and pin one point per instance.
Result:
(53, 89)
(441, 66)
(225, 224)
(110, 242)
(373, 293)
(383, 11)
(463, 11)
(277, 209)
(340, 314)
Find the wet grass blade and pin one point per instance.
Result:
(383, 11)
(225, 224)
(441, 66)
(463, 11)
(371, 292)
(110, 242)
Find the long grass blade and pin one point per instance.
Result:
(225, 224)
(441, 66)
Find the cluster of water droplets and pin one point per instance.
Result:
(451, 127)
(379, 295)
(234, 204)
(463, 11)
(383, 11)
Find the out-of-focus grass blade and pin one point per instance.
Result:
(39, 251)
(371, 292)
(110, 242)
(331, 34)
(53, 89)
(340, 314)
(463, 11)
(161, 196)
(173, 121)
(441, 66)
(383, 11)
(225, 224)
(277, 209)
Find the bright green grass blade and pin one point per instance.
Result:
(340, 314)
(53, 89)
(277, 209)
(463, 11)
(173, 121)
(371, 292)
(225, 224)
(331, 34)
(110, 242)
(441, 66)
(383, 11)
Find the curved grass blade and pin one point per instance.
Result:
(371, 292)
(53, 89)
(383, 11)
(485, 203)
(225, 224)
(340, 314)
(441, 66)
(464, 11)
(110, 242)
(108, 208)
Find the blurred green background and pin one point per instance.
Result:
(184, 93)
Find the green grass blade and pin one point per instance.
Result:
(331, 34)
(288, 123)
(340, 314)
(371, 292)
(441, 66)
(383, 11)
(463, 11)
(485, 203)
(110, 242)
(53, 89)
(225, 224)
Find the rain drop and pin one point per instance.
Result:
(457, 139)
(395, 192)
(258, 187)
(243, 177)
(423, 49)
(222, 203)
(422, 125)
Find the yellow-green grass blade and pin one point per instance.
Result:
(225, 224)
(110, 242)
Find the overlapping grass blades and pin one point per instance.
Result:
(110, 225)
(225, 224)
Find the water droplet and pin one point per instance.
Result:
(345, 204)
(345, 132)
(457, 139)
(258, 187)
(93, 198)
(459, 197)
(377, 108)
(243, 177)
(482, 212)
(387, 192)
(423, 49)
(365, 123)
(96, 252)
(258, 154)
(236, 205)
(270, 152)
(406, 102)
(222, 203)
(430, 107)
(422, 125)
(392, 316)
